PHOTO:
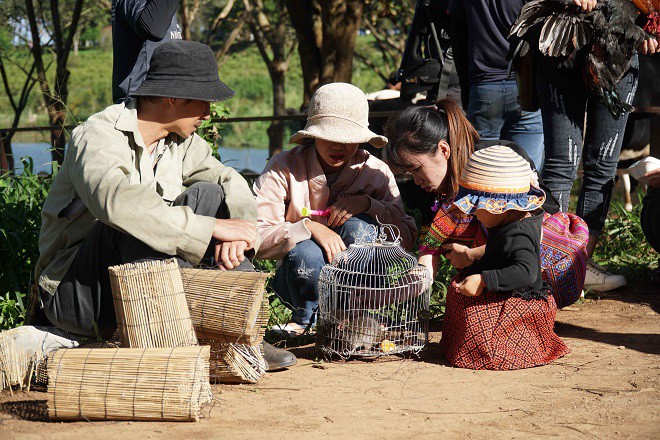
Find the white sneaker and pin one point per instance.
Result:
(600, 280)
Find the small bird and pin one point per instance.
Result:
(600, 43)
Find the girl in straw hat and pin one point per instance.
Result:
(499, 313)
(325, 172)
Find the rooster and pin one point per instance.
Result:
(600, 43)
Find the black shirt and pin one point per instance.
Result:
(138, 27)
(488, 24)
(512, 259)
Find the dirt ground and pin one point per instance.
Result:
(608, 387)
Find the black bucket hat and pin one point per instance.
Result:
(184, 69)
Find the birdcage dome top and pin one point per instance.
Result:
(377, 252)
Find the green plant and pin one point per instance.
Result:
(622, 246)
(211, 128)
(439, 289)
(21, 198)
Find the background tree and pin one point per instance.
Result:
(61, 23)
(275, 46)
(18, 87)
(326, 32)
(389, 23)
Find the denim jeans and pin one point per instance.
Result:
(296, 280)
(494, 112)
(564, 99)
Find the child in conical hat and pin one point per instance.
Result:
(499, 315)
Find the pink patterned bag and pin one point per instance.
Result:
(564, 256)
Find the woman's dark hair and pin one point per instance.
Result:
(417, 130)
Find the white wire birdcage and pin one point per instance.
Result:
(373, 299)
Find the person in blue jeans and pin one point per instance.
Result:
(492, 101)
(297, 277)
(349, 189)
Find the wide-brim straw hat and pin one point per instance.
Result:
(339, 112)
(184, 69)
(498, 180)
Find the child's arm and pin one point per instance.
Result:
(524, 267)
(328, 239)
(462, 256)
(278, 236)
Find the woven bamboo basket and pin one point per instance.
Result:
(169, 384)
(150, 305)
(226, 306)
(235, 363)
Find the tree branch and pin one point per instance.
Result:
(5, 82)
(370, 63)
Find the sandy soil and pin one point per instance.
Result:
(608, 387)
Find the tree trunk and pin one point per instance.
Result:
(184, 13)
(276, 129)
(305, 18)
(326, 31)
(6, 157)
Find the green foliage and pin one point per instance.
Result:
(622, 246)
(211, 128)
(440, 286)
(21, 199)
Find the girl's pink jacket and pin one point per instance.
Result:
(294, 179)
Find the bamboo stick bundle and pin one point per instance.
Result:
(235, 363)
(16, 366)
(226, 306)
(128, 383)
(150, 305)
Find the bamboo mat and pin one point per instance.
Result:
(128, 383)
(227, 306)
(150, 305)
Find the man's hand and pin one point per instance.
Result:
(473, 285)
(328, 239)
(347, 207)
(459, 256)
(235, 230)
(586, 5)
(230, 254)
(649, 46)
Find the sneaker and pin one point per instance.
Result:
(600, 280)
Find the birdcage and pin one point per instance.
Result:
(373, 299)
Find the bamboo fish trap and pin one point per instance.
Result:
(235, 363)
(150, 305)
(168, 384)
(226, 306)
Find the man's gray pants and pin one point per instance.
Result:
(83, 302)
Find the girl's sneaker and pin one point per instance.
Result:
(600, 280)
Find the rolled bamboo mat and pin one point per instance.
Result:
(235, 363)
(128, 383)
(226, 306)
(150, 305)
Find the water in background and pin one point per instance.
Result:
(253, 159)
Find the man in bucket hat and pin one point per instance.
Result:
(138, 183)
